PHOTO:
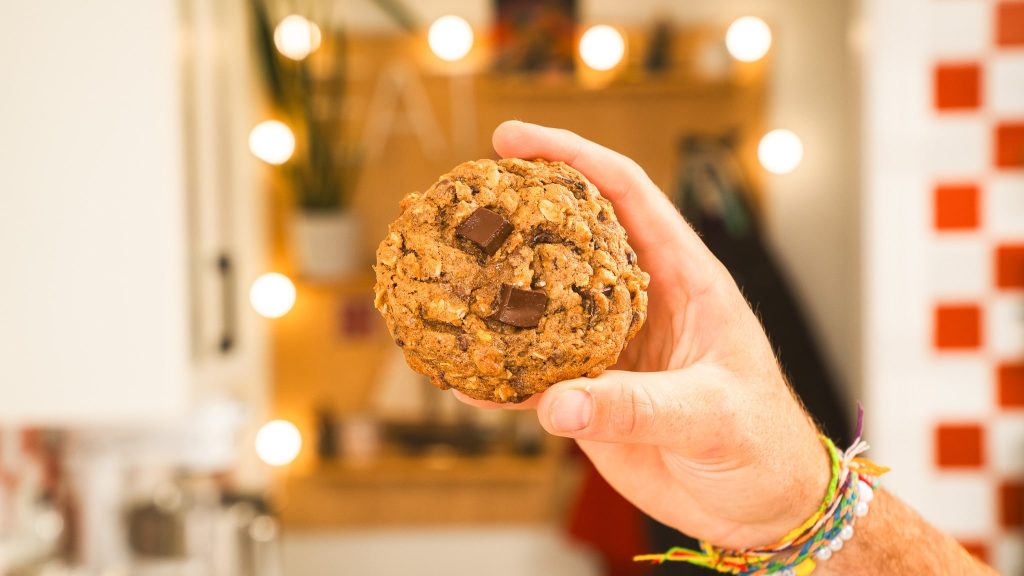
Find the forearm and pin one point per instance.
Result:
(893, 539)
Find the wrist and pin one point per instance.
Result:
(807, 472)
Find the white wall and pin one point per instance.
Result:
(919, 389)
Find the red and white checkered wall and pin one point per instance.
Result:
(973, 283)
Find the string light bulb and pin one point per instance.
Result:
(272, 142)
(278, 443)
(748, 39)
(450, 38)
(780, 151)
(272, 295)
(602, 47)
(296, 37)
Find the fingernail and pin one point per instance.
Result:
(572, 411)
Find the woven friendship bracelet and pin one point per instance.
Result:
(850, 490)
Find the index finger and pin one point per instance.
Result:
(656, 229)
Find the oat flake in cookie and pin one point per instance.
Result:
(506, 277)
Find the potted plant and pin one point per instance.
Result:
(305, 78)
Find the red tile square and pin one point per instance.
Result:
(1010, 145)
(1010, 383)
(1010, 24)
(956, 207)
(1010, 266)
(959, 446)
(977, 549)
(957, 86)
(1011, 504)
(957, 326)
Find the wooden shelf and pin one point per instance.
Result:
(442, 490)
(438, 469)
(528, 88)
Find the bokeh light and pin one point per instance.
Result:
(272, 142)
(602, 47)
(748, 39)
(780, 151)
(278, 443)
(296, 37)
(450, 38)
(272, 295)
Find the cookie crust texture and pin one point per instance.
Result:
(439, 291)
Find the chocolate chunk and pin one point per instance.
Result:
(442, 382)
(607, 291)
(545, 237)
(486, 229)
(520, 308)
(589, 307)
(630, 257)
(462, 342)
(400, 342)
(586, 300)
(579, 189)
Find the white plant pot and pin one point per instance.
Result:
(326, 244)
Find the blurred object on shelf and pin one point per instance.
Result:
(357, 318)
(326, 434)
(536, 36)
(658, 58)
(38, 503)
(398, 392)
(424, 438)
(527, 435)
(187, 524)
(360, 438)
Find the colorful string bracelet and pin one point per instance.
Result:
(850, 491)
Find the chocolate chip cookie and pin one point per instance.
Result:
(507, 276)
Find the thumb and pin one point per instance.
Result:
(674, 408)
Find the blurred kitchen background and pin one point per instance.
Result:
(193, 380)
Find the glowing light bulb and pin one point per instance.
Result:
(296, 37)
(272, 295)
(450, 38)
(272, 142)
(602, 47)
(748, 39)
(780, 151)
(278, 442)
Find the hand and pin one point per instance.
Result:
(697, 427)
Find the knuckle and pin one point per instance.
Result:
(633, 413)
